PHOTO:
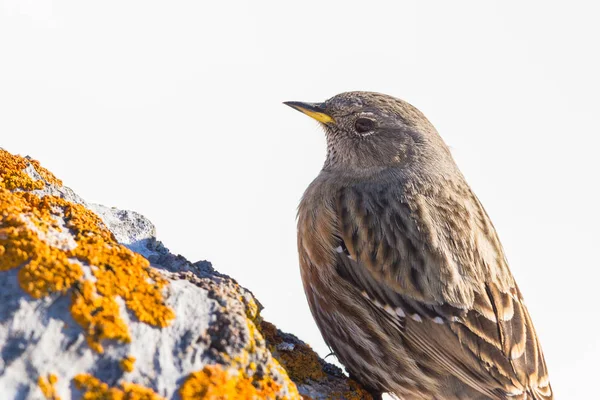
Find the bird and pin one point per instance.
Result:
(402, 267)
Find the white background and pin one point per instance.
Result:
(174, 109)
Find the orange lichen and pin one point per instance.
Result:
(301, 364)
(98, 315)
(59, 247)
(46, 385)
(94, 389)
(26, 221)
(138, 285)
(46, 268)
(243, 382)
(13, 176)
(127, 363)
(245, 371)
(213, 383)
(48, 271)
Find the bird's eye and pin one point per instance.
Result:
(363, 125)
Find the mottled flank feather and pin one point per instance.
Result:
(403, 269)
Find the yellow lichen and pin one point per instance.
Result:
(94, 389)
(127, 363)
(214, 383)
(45, 268)
(46, 385)
(252, 308)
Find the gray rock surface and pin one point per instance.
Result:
(45, 351)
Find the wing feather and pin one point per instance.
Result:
(448, 291)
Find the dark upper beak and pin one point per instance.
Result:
(313, 110)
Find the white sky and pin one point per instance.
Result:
(173, 109)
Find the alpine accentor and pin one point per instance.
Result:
(402, 267)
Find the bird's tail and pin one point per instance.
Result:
(541, 393)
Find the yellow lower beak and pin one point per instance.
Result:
(313, 110)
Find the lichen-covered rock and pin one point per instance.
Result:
(93, 307)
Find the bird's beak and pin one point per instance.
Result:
(313, 110)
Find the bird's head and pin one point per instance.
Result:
(367, 130)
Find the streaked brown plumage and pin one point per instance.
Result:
(402, 268)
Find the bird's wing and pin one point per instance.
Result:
(435, 268)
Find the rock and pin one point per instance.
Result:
(91, 304)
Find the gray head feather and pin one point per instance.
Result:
(373, 131)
